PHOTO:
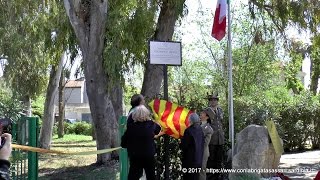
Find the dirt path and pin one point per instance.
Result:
(309, 160)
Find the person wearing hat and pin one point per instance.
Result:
(217, 139)
(191, 145)
(207, 131)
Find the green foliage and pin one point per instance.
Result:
(255, 68)
(34, 35)
(186, 80)
(81, 128)
(296, 116)
(303, 13)
(291, 70)
(315, 60)
(299, 121)
(38, 106)
(132, 25)
(129, 90)
(10, 106)
(174, 158)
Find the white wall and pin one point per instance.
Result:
(71, 115)
(73, 95)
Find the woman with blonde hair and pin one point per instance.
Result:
(139, 141)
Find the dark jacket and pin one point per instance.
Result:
(217, 137)
(4, 169)
(191, 145)
(139, 139)
(129, 119)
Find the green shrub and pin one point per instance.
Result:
(68, 128)
(297, 117)
(78, 128)
(55, 129)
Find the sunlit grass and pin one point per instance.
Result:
(73, 166)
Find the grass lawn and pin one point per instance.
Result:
(75, 167)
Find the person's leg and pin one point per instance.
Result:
(202, 175)
(135, 170)
(219, 159)
(149, 168)
(211, 162)
(216, 156)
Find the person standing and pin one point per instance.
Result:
(207, 131)
(139, 141)
(192, 148)
(217, 139)
(5, 153)
(136, 100)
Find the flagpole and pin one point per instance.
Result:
(231, 118)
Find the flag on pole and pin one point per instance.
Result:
(172, 118)
(219, 22)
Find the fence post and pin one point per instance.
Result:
(33, 156)
(124, 163)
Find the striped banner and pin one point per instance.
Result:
(172, 117)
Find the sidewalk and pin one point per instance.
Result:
(308, 159)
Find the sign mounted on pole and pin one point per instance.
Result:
(165, 52)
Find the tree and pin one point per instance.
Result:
(58, 45)
(297, 53)
(132, 25)
(315, 64)
(303, 14)
(21, 45)
(170, 11)
(35, 37)
(88, 19)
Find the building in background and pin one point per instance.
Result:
(76, 101)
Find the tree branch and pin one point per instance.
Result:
(77, 25)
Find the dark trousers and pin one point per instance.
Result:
(138, 164)
(215, 160)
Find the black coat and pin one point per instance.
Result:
(4, 169)
(139, 139)
(191, 145)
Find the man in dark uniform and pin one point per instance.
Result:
(217, 139)
(191, 145)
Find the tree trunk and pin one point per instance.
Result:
(24, 124)
(116, 98)
(27, 105)
(48, 115)
(314, 73)
(153, 74)
(61, 106)
(88, 21)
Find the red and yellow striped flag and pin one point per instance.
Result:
(172, 117)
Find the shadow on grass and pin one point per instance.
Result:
(94, 172)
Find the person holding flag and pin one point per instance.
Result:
(192, 143)
(139, 141)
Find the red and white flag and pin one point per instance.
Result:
(219, 23)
